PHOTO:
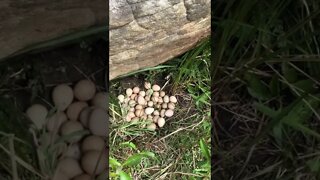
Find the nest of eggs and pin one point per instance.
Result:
(151, 105)
(80, 108)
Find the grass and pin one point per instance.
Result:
(180, 149)
(266, 95)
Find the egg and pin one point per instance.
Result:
(147, 85)
(136, 90)
(139, 112)
(62, 96)
(133, 96)
(139, 106)
(162, 93)
(142, 93)
(37, 113)
(70, 127)
(74, 110)
(171, 105)
(70, 167)
(162, 112)
(98, 122)
(155, 118)
(82, 177)
(141, 100)
(149, 92)
(156, 87)
(93, 142)
(164, 106)
(166, 99)
(91, 160)
(156, 94)
(85, 115)
(58, 175)
(152, 127)
(84, 90)
(121, 98)
(169, 113)
(161, 122)
(156, 113)
(149, 110)
(135, 119)
(150, 103)
(173, 99)
(103, 176)
(73, 151)
(129, 92)
(55, 121)
(100, 100)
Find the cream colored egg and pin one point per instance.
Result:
(147, 98)
(141, 100)
(169, 113)
(129, 92)
(171, 105)
(93, 159)
(150, 103)
(84, 90)
(74, 110)
(70, 127)
(85, 115)
(154, 99)
(70, 167)
(139, 106)
(152, 127)
(131, 114)
(156, 94)
(121, 98)
(139, 112)
(62, 96)
(132, 109)
(164, 106)
(173, 99)
(161, 122)
(166, 99)
(149, 110)
(160, 100)
(133, 96)
(156, 113)
(37, 113)
(162, 112)
(93, 142)
(55, 121)
(142, 93)
(155, 119)
(100, 100)
(132, 103)
(156, 87)
(162, 93)
(136, 90)
(147, 85)
(98, 122)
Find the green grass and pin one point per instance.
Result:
(181, 148)
(266, 96)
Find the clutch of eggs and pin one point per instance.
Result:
(150, 104)
(78, 108)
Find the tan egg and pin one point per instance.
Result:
(147, 85)
(131, 114)
(139, 106)
(160, 100)
(94, 162)
(135, 119)
(155, 119)
(73, 151)
(70, 167)
(169, 113)
(142, 93)
(129, 92)
(100, 100)
(171, 105)
(162, 93)
(84, 90)
(98, 122)
(121, 98)
(173, 99)
(128, 118)
(85, 115)
(132, 103)
(145, 103)
(150, 103)
(152, 127)
(62, 96)
(93, 142)
(156, 113)
(139, 112)
(156, 94)
(158, 106)
(154, 99)
(166, 99)
(70, 127)
(147, 98)
(141, 100)
(136, 90)
(149, 110)
(74, 110)
(132, 109)
(161, 122)
(82, 177)
(164, 106)
(149, 92)
(156, 87)
(133, 96)
(162, 112)
(37, 113)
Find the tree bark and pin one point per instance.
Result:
(25, 23)
(145, 33)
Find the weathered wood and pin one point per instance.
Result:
(145, 33)
(24, 23)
